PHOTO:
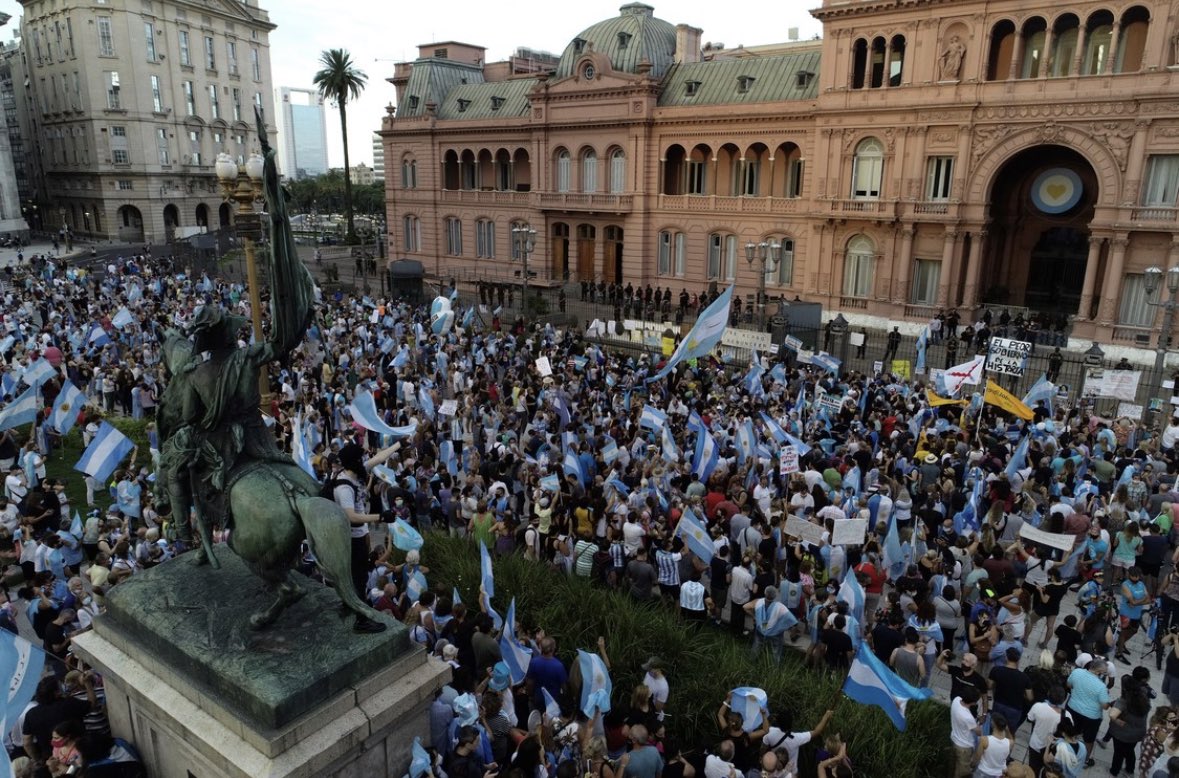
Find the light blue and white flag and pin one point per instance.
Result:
(706, 457)
(446, 454)
(97, 337)
(652, 418)
(123, 318)
(572, 466)
(695, 536)
(455, 599)
(386, 474)
(551, 709)
(23, 410)
(892, 554)
(486, 574)
(364, 413)
(609, 450)
(427, 402)
(550, 483)
(65, 408)
(922, 343)
(596, 686)
(404, 536)
(299, 448)
(1043, 390)
(704, 335)
(105, 452)
(618, 486)
(746, 442)
(696, 424)
(1018, 459)
(77, 529)
(401, 359)
(852, 593)
(387, 344)
(514, 655)
(748, 702)
(419, 762)
(7, 384)
(38, 373)
(670, 451)
(21, 663)
(870, 682)
(416, 585)
(827, 362)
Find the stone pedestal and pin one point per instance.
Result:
(307, 698)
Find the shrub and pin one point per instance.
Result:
(703, 664)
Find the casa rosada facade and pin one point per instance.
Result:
(922, 155)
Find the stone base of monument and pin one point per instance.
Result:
(201, 695)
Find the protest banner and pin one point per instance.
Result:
(788, 460)
(804, 530)
(1131, 410)
(543, 366)
(448, 408)
(1062, 541)
(900, 368)
(849, 532)
(1008, 356)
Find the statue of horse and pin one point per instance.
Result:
(269, 503)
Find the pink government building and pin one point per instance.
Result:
(924, 155)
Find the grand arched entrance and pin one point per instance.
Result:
(1041, 205)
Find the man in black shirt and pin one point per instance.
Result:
(1012, 689)
(886, 637)
(838, 643)
(965, 676)
(52, 709)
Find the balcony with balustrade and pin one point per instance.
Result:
(583, 201)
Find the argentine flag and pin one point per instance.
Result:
(748, 702)
(22, 664)
(596, 687)
(695, 536)
(364, 413)
(922, 342)
(706, 456)
(486, 575)
(652, 418)
(123, 318)
(703, 336)
(299, 448)
(65, 408)
(38, 373)
(22, 410)
(108, 448)
(1043, 390)
(870, 682)
(572, 466)
(1018, 459)
(405, 537)
(852, 593)
(515, 655)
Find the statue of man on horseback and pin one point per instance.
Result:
(220, 460)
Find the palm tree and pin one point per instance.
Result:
(339, 81)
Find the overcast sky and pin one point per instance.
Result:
(379, 33)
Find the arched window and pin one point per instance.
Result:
(564, 171)
(859, 63)
(617, 171)
(1032, 55)
(867, 169)
(783, 273)
(859, 267)
(409, 173)
(589, 171)
(722, 257)
(468, 169)
(485, 238)
(1098, 39)
(1132, 40)
(411, 233)
(1002, 50)
(896, 64)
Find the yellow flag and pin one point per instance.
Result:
(1000, 397)
(936, 400)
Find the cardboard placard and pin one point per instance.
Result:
(448, 408)
(804, 530)
(878, 367)
(1008, 356)
(792, 343)
(900, 368)
(788, 460)
(1062, 541)
(831, 402)
(543, 366)
(849, 532)
(1130, 409)
(1115, 384)
(747, 339)
(856, 339)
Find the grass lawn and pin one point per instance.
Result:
(61, 463)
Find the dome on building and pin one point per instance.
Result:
(628, 39)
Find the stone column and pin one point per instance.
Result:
(712, 178)
(1014, 69)
(904, 268)
(1111, 287)
(770, 190)
(947, 269)
(662, 184)
(887, 64)
(816, 257)
(1115, 40)
(974, 269)
(1046, 54)
(1079, 55)
(1085, 311)
(868, 66)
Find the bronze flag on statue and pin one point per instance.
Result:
(1001, 398)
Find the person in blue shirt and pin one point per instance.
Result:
(1089, 594)
(1096, 550)
(1132, 600)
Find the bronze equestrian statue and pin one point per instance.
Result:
(219, 460)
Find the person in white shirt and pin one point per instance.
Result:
(632, 534)
(1171, 434)
(740, 590)
(720, 764)
(963, 731)
(1045, 716)
(656, 681)
(781, 736)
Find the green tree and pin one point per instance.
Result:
(340, 81)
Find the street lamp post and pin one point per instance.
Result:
(769, 254)
(525, 241)
(242, 185)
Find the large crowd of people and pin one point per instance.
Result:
(535, 441)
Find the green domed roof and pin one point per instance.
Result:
(627, 39)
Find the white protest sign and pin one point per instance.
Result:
(748, 339)
(1062, 541)
(1131, 410)
(1008, 356)
(804, 356)
(1115, 384)
(448, 408)
(878, 367)
(849, 532)
(856, 338)
(543, 366)
(831, 402)
(793, 343)
(788, 460)
(804, 530)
